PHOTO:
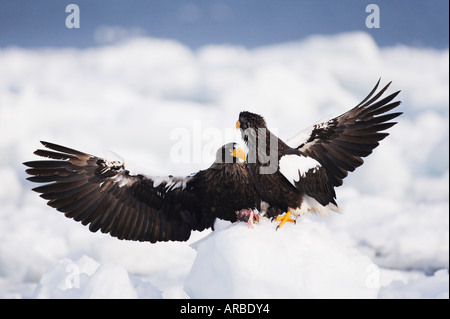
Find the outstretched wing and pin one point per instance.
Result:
(106, 196)
(340, 143)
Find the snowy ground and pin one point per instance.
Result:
(145, 97)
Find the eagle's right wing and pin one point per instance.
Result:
(106, 196)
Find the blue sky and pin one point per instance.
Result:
(250, 23)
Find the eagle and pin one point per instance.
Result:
(103, 194)
(300, 175)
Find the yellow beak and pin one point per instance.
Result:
(238, 125)
(239, 153)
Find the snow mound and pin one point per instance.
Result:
(435, 286)
(86, 278)
(297, 261)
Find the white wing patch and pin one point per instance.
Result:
(171, 182)
(302, 137)
(176, 184)
(158, 180)
(119, 167)
(294, 167)
(121, 180)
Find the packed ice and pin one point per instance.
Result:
(392, 240)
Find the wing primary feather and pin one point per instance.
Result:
(54, 155)
(63, 149)
(370, 94)
(46, 176)
(49, 164)
(377, 96)
(55, 188)
(380, 110)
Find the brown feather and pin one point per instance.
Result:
(104, 196)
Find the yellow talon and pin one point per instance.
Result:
(285, 218)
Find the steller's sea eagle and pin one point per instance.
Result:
(104, 195)
(298, 176)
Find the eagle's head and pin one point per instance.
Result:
(249, 123)
(230, 153)
(250, 120)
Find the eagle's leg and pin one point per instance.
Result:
(285, 218)
(247, 215)
(253, 218)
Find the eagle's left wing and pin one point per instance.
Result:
(340, 143)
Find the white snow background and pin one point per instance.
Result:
(134, 97)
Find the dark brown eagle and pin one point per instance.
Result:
(299, 176)
(104, 195)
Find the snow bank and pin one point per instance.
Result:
(86, 278)
(416, 285)
(297, 261)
